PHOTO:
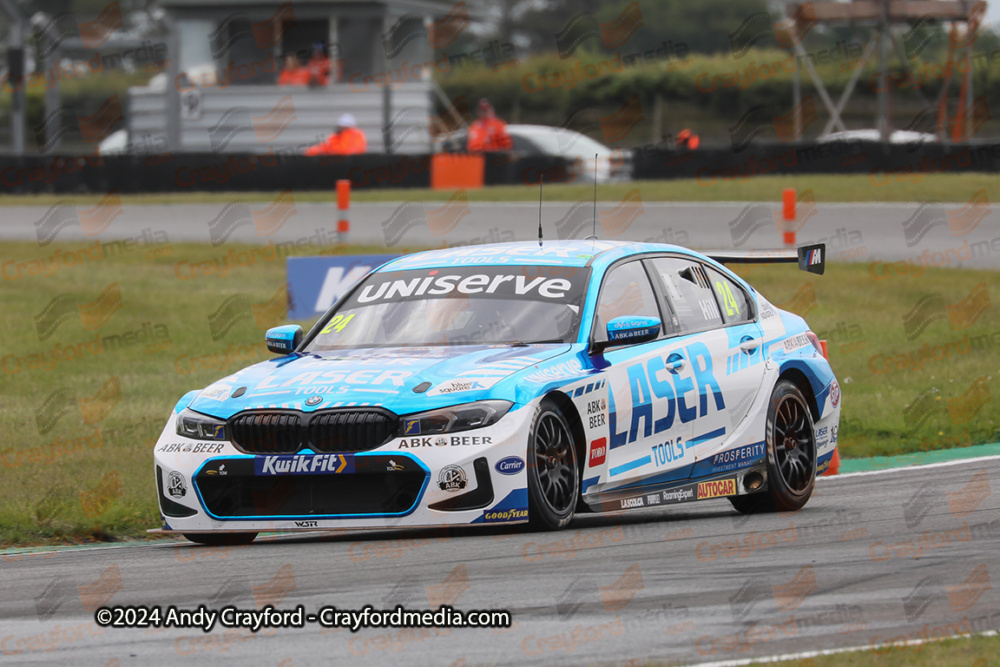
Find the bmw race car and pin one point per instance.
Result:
(511, 383)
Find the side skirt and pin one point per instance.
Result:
(752, 479)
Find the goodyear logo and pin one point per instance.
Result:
(720, 487)
(304, 464)
(506, 515)
(411, 427)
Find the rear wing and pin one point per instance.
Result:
(811, 258)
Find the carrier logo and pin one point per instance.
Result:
(721, 487)
(301, 464)
(510, 465)
(598, 452)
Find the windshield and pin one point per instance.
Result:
(458, 306)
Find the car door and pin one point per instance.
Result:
(642, 409)
(721, 344)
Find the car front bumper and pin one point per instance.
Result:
(466, 478)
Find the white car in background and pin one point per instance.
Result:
(874, 136)
(613, 164)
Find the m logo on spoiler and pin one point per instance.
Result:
(304, 464)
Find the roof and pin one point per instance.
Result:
(555, 253)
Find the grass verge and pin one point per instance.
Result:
(828, 188)
(87, 384)
(960, 652)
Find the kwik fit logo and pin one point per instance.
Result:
(302, 464)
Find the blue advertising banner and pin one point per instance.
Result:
(314, 283)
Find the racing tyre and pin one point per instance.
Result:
(553, 480)
(791, 455)
(221, 539)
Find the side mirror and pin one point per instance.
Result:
(284, 339)
(631, 329)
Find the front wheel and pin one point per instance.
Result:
(221, 539)
(791, 455)
(553, 480)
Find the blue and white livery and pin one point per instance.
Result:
(511, 383)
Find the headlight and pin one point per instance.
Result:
(192, 424)
(455, 418)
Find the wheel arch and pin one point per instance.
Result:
(799, 379)
(572, 415)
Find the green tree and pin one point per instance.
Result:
(704, 26)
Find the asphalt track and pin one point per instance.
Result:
(874, 559)
(926, 234)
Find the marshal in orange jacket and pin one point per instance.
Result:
(348, 141)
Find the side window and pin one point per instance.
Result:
(524, 146)
(689, 292)
(733, 301)
(626, 291)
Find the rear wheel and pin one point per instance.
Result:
(221, 539)
(553, 480)
(791, 454)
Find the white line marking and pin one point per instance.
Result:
(833, 651)
(938, 464)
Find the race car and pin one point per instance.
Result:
(511, 383)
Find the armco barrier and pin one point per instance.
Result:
(883, 164)
(186, 172)
(189, 172)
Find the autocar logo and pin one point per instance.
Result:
(452, 478)
(510, 465)
(714, 489)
